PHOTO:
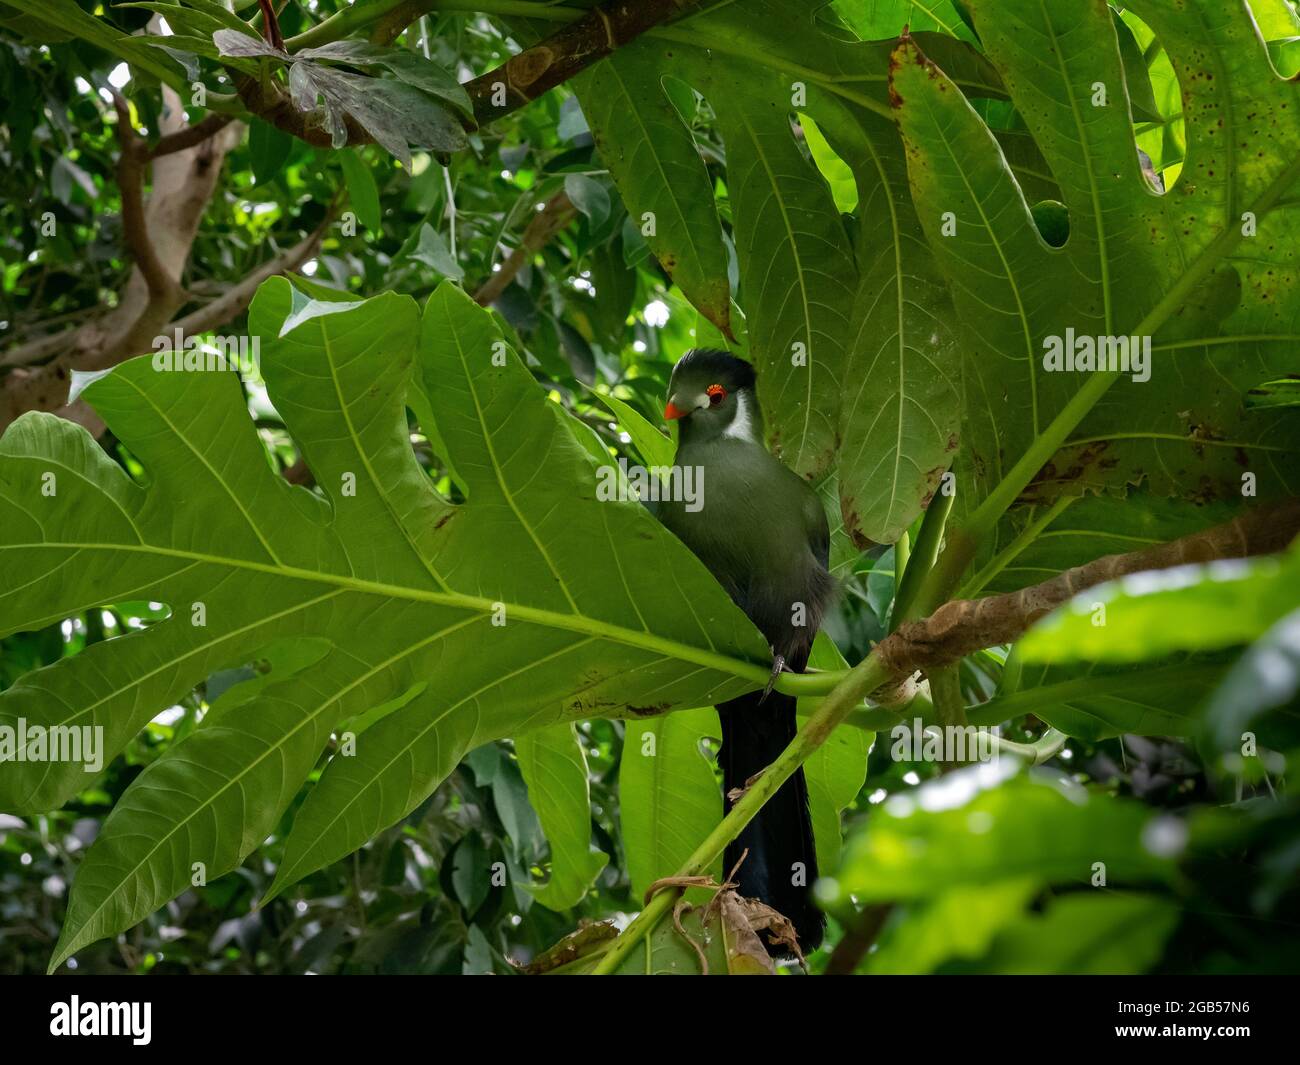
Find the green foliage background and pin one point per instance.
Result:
(813, 223)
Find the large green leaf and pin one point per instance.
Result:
(554, 765)
(966, 856)
(600, 610)
(1261, 692)
(656, 163)
(1164, 141)
(1217, 605)
(953, 833)
(957, 924)
(874, 20)
(1092, 935)
(1091, 701)
(758, 64)
(1126, 247)
(669, 797)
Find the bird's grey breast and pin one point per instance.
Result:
(750, 531)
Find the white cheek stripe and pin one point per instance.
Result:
(742, 426)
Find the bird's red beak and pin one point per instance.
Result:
(673, 412)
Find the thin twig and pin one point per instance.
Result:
(553, 217)
(190, 135)
(857, 940)
(271, 25)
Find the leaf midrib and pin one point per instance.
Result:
(581, 623)
(797, 254)
(634, 111)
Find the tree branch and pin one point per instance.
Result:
(557, 214)
(568, 51)
(266, 99)
(518, 81)
(235, 300)
(49, 346)
(857, 940)
(964, 626)
(229, 305)
(159, 236)
(866, 676)
(131, 163)
(40, 349)
(190, 135)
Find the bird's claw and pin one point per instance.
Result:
(778, 667)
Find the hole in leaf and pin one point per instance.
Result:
(1052, 218)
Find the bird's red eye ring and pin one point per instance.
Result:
(716, 394)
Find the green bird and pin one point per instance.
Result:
(761, 531)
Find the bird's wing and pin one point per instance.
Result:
(817, 527)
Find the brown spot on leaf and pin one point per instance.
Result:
(1049, 481)
(572, 947)
(653, 710)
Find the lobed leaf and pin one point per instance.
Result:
(600, 610)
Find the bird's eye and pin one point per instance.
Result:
(716, 394)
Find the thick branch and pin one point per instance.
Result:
(266, 99)
(568, 51)
(229, 305)
(131, 163)
(44, 348)
(963, 626)
(857, 940)
(557, 214)
(518, 81)
(40, 349)
(184, 180)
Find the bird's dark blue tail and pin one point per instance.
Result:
(781, 866)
